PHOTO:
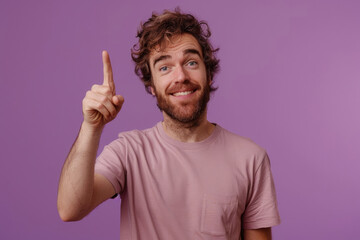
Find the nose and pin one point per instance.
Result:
(180, 74)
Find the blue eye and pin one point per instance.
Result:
(164, 68)
(192, 63)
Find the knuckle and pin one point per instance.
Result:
(108, 91)
(99, 106)
(103, 99)
(88, 93)
(94, 87)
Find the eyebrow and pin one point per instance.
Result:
(186, 51)
(160, 58)
(192, 51)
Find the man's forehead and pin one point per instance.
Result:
(175, 43)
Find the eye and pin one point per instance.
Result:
(163, 69)
(192, 63)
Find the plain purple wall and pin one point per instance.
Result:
(289, 80)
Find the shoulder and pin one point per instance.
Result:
(138, 134)
(240, 142)
(245, 153)
(135, 137)
(132, 140)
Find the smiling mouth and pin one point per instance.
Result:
(184, 93)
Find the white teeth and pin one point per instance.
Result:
(182, 93)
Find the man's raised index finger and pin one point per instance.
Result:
(108, 75)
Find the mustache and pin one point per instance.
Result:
(179, 87)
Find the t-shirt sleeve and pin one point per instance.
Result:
(261, 210)
(111, 163)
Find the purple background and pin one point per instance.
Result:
(289, 80)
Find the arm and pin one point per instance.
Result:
(257, 234)
(80, 190)
(261, 212)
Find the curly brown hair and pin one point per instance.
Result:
(164, 26)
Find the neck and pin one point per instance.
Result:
(188, 132)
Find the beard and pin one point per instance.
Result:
(187, 112)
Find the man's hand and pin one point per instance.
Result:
(80, 190)
(101, 104)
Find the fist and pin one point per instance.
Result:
(101, 104)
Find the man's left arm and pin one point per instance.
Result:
(261, 212)
(257, 234)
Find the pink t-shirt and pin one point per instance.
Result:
(175, 190)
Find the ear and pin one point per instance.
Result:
(208, 78)
(152, 90)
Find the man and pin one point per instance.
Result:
(185, 178)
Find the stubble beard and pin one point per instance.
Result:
(186, 113)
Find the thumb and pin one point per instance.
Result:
(118, 101)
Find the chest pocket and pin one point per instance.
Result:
(219, 215)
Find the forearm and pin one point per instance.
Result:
(80, 190)
(258, 234)
(76, 185)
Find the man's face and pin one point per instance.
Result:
(179, 79)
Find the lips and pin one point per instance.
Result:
(183, 93)
(183, 89)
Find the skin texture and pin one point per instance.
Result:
(179, 67)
